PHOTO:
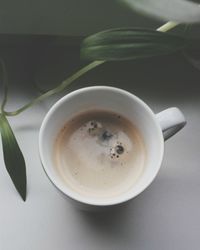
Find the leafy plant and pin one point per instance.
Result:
(109, 45)
(129, 43)
(13, 157)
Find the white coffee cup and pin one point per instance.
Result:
(154, 128)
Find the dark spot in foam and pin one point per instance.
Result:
(119, 149)
(106, 135)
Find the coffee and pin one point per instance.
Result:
(99, 154)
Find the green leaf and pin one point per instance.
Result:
(182, 11)
(129, 43)
(13, 157)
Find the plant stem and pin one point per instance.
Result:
(57, 89)
(167, 26)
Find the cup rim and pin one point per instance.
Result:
(83, 199)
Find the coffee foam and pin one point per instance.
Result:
(99, 154)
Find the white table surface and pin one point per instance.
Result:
(164, 217)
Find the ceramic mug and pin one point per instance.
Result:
(154, 128)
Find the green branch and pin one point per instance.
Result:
(57, 89)
(167, 26)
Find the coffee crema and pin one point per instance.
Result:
(99, 154)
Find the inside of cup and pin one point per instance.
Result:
(110, 99)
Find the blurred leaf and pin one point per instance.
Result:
(195, 1)
(13, 157)
(129, 43)
(182, 11)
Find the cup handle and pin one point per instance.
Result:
(171, 121)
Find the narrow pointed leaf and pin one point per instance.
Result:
(129, 43)
(13, 157)
(182, 11)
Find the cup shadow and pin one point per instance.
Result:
(114, 225)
